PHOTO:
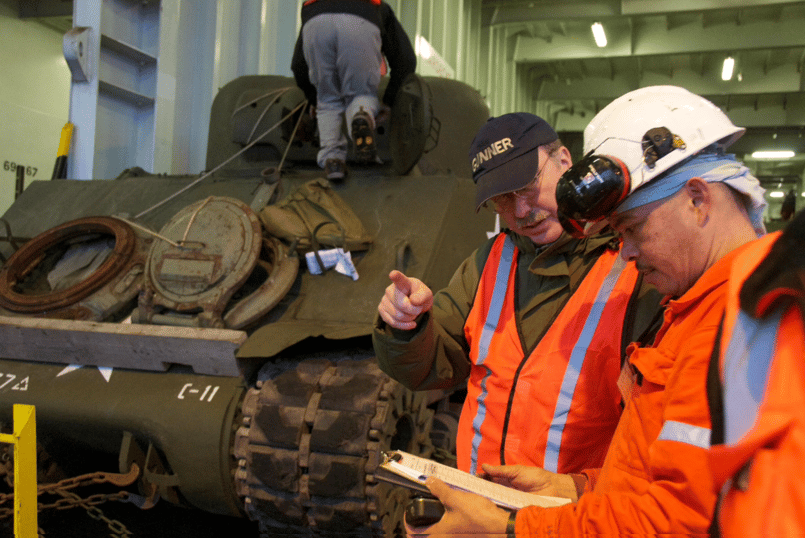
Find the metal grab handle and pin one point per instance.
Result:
(403, 254)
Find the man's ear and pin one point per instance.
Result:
(565, 159)
(700, 194)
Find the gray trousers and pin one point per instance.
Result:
(343, 52)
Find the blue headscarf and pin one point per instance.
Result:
(712, 168)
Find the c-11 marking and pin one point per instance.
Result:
(207, 395)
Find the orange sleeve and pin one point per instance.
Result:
(592, 477)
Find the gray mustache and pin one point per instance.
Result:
(534, 217)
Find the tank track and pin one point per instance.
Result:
(313, 434)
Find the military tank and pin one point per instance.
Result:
(169, 337)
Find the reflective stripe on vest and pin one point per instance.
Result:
(685, 433)
(574, 367)
(490, 324)
(746, 371)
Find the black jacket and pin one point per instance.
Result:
(395, 45)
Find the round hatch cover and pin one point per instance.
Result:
(217, 243)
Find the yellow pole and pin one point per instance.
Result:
(24, 441)
(60, 168)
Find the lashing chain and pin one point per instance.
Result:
(70, 499)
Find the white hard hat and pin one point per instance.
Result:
(633, 140)
(621, 129)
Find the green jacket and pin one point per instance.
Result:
(435, 355)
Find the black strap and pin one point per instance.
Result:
(715, 392)
(314, 242)
(715, 403)
(651, 331)
(648, 334)
(629, 318)
(628, 328)
(510, 523)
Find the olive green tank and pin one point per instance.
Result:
(177, 323)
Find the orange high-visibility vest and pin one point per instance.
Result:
(558, 408)
(763, 379)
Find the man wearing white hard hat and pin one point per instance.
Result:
(655, 167)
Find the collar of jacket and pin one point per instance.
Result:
(565, 243)
(780, 277)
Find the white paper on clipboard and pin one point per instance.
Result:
(411, 472)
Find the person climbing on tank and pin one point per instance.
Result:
(532, 323)
(337, 64)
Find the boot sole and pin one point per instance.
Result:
(364, 141)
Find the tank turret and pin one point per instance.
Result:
(209, 335)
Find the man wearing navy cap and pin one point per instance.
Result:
(532, 322)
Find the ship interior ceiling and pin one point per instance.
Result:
(681, 42)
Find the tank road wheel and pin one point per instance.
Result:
(444, 431)
(312, 438)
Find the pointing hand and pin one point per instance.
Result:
(404, 300)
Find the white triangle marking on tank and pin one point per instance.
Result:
(68, 369)
(105, 371)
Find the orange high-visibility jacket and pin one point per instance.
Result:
(656, 478)
(564, 394)
(763, 377)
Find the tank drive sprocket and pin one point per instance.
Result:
(313, 435)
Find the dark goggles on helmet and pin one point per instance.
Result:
(590, 190)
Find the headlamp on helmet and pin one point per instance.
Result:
(659, 142)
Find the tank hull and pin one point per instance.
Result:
(282, 419)
(84, 412)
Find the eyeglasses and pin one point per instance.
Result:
(525, 193)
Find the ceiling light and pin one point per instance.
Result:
(776, 194)
(726, 70)
(599, 35)
(773, 154)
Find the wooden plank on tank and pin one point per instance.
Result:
(120, 345)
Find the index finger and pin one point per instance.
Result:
(401, 282)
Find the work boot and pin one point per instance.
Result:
(364, 136)
(335, 169)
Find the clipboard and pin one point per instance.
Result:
(409, 471)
